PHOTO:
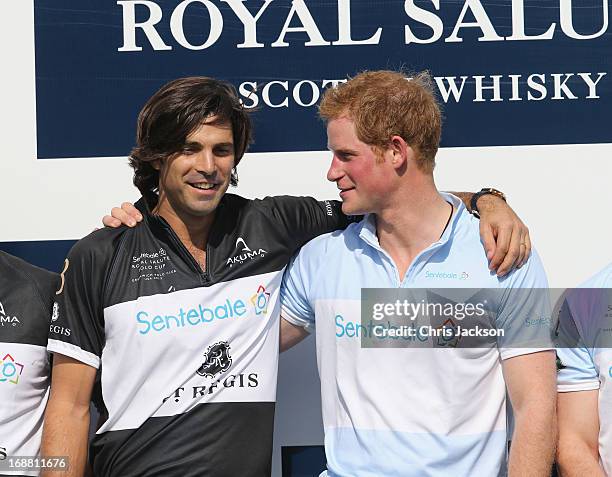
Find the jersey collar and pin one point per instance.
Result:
(367, 227)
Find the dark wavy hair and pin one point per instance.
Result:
(173, 113)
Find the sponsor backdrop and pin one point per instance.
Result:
(525, 86)
(503, 62)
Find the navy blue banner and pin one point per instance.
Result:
(508, 72)
(49, 254)
(302, 461)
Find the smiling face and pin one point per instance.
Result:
(192, 182)
(363, 178)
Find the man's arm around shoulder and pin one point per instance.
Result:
(66, 424)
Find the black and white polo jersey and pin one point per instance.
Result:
(188, 358)
(26, 300)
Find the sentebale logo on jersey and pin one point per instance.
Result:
(10, 370)
(448, 337)
(260, 300)
(245, 253)
(190, 316)
(6, 319)
(448, 275)
(201, 314)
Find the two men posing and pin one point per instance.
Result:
(177, 342)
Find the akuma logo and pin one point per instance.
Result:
(245, 247)
(260, 300)
(217, 360)
(246, 253)
(6, 319)
(10, 370)
(55, 314)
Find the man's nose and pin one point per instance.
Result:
(334, 172)
(205, 163)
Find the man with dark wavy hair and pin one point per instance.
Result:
(172, 114)
(180, 314)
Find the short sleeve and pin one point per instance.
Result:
(46, 284)
(525, 312)
(304, 218)
(77, 322)
(576, 369)
(296, 306)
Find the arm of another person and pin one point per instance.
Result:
(505, 237)
(578, 448)
(297, 311)
(66, 427)
(578, 387)
(290, 334)
(531, 383)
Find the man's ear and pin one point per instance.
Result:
(399, 151)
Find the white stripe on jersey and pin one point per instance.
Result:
(168, 336)
(24, 391)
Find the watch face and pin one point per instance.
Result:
(498, 193)
(493, 191)
(479, 194)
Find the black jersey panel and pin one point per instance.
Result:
(26, 298)
(248, 237)
(216, 440)
(304, 218)
(78, 315)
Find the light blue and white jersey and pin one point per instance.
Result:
(585, 350)
(405, 411)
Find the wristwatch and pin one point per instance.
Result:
(480, 193)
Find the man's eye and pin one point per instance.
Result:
(223, 152)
